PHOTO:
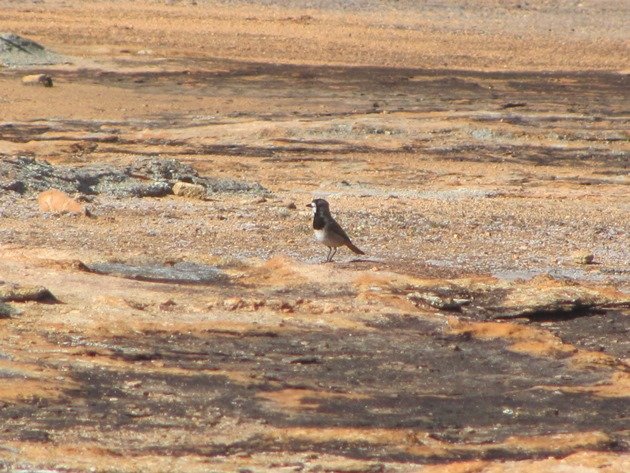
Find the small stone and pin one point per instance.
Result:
(34, 435)
(55, 201)
(582, 257)
(257, 304)
(15, 186)
(38, 79)
(135, 304)
(6, 310)
(280, 305)
(304, 360)
(233, 303)
(192, 191)
(328, 308)
(291, 206)
(274, 304)
(17, 293)
(444, 303)
(283, 212)
(168, 305)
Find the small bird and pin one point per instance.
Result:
(328, 231)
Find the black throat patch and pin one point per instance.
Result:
(319, 221)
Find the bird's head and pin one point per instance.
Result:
(319, 205)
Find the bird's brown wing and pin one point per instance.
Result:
(344, 239)
(335, 228)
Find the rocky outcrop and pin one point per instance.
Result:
(21, 293)
(17, 51)
(545, 297)
(144, 177)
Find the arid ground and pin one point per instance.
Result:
(477, 151)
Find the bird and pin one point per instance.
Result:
(328, 231)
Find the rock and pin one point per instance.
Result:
(16, 51)
(291, 206)
(304, 360)
(17, 293)
(193, 191)
(167, 305)
(233, 303)
(182, 272)
(545, 297)
(144, 177)
(513, 105)
(6, 310)
(158, 169)
(38, 79)
(134, 384)
(439, 302)
(15, 186)
(257, 304)
(34, 435)
(582, 257)
(280, 305)
(283, 212)
(55, 201)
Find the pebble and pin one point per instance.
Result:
(444, 303)
(167, 305)
(233, 303)
(18, 293)
(583, 257)
(38, 79)
(192, 191)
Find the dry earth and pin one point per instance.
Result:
(471, 148)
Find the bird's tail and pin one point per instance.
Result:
(354, 248)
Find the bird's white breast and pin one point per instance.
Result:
(328, 238)
(320, 236)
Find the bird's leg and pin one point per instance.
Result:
(328, 255)
(333, 253)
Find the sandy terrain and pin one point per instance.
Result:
(475, 150)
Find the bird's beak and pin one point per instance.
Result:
(310, 205)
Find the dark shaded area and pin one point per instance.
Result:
(409, 374)
(566, 106)
(605, 331)
(537, 155)
(546, 103)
